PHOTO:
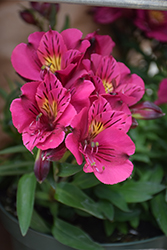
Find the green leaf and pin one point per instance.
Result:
(38, 224)
(108, 193)
(157, 175)
(135, 222)
(52, 17)
(14, 165)
(122, 216)
(3, 94)
(122, 227)
(25, 200)
(16, 168)
(66, 24)
(107, 208)
(72, 196)
(159, 210)
(67, 169)
(14, 149)
(73, 236)
(84, 180)
(109, 227)
(139, 191)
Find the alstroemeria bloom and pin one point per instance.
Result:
(105, 15)
(114, 78)
(42, 113)
(162, 92)
(153, 23)
(98, 134)
(54, 51)
(99, 44)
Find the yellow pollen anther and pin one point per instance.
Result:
(38, 116)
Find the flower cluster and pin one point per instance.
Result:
(77, 98)
(151, 22)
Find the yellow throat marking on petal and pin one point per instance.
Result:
(53, 63)
(50, 109)
(95, 128)
(107, 86)
(157, 16)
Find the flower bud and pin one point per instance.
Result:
(45, 8)
(28, 16)
(146, 111)
(55, 154)
(41, 167)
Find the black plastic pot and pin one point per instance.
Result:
(38, 241)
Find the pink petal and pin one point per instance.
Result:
(50, 50)
(72, 143)
(109, 160)
(115, 174)
(25, 60)
(100, 44)
(72, 38)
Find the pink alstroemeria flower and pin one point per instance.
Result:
(153, 23)
(98, 134)
(42, 113)
(53, 51)
(105, 15)
(162, 92)
(99, 44)
(114, 78)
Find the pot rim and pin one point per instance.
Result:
(14, 220)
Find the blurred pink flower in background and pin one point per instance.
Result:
(162, 92)
(106, 15)
(153, 23)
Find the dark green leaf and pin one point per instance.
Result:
(38, 224)
(73, 236)
(14, 149)
(25, 200)
(139, 191)
(52, 17)
(66, 24)
(106, 192)
(3, 94)
(72, 196)
(84, 180)
(159, 210)
(109, 227)
(14, 165)
(126, 216)
(107, 208)
(67, 169)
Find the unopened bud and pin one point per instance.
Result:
(45, 8)
(28, 17)
(41, 167)
(146, 111)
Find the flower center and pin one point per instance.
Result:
(107, 86)
(53, 63)
(50, 109)
(95, 128)
(156, 16)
